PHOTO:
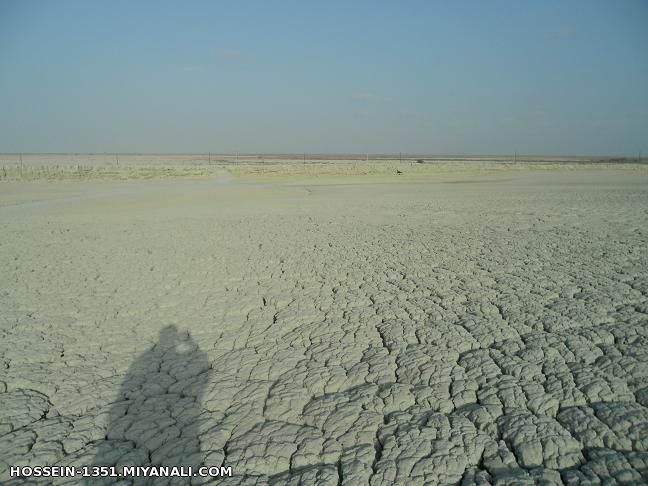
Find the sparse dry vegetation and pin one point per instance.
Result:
(89, 172)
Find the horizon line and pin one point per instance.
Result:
(359, 155)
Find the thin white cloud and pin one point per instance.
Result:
(231, 55)
(563, 33)
(366, 97)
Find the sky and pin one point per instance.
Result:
(565, 77)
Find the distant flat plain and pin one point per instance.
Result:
(361, 322)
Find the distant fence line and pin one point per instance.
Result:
(90, 159)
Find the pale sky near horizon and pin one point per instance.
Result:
(461, 77)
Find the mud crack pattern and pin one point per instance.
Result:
(371, 334)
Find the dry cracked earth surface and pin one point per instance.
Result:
(467, 331)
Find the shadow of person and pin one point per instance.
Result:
(156, 418)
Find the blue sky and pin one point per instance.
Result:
(461, 77)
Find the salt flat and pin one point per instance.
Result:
(475, 324)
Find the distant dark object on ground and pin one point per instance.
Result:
(420, 161)
(399, 172)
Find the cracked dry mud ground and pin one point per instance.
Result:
(404, 333)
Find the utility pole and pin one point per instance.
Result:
(400, 157)
(515, 157)
(117, 158)
(304, 157)
(210, 158)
